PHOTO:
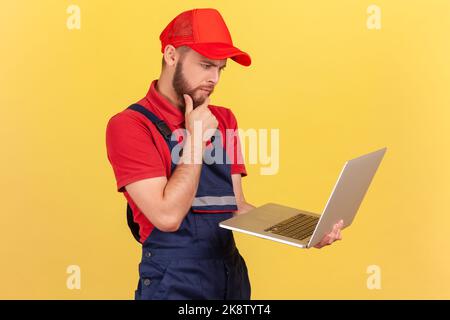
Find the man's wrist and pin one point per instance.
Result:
(192, 150)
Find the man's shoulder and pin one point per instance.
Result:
(127, 120)
(127, 116)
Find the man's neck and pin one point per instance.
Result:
(164, 87)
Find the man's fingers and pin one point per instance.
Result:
(188, 103)
(326, 240)
(334, 235)
(341, 225)
(320, 245)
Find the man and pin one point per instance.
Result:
(175, 198)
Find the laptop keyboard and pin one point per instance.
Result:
(298, 227)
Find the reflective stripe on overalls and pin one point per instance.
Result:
(200, 260)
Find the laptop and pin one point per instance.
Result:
(305, 229)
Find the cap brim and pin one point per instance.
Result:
(219, 51)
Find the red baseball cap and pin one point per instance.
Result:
(204, 31)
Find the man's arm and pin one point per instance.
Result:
(166, 202)
(243, 206)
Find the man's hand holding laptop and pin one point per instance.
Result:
(331, 237)
(328, 239)
(306, 229)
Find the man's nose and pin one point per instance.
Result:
(214, 77)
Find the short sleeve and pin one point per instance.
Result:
(131, 151)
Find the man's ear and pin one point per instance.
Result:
(170, 55)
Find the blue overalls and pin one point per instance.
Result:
(200, 260)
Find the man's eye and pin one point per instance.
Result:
(206, 66)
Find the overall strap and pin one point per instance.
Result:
(160, 125)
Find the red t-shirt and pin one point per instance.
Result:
(137, 150)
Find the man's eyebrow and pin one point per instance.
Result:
(212, 63)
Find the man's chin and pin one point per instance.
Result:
(200, 100)
(198, 103)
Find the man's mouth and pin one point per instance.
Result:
(207, 90)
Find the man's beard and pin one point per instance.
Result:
(181, 87)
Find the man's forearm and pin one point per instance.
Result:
(182, 186)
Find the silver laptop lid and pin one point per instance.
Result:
(348, 193)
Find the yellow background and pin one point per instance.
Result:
(334, 88)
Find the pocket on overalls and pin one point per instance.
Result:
(151, 276)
